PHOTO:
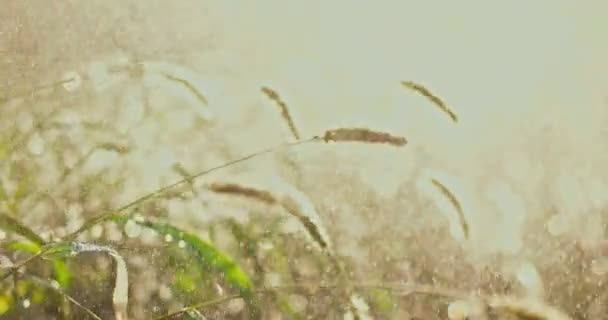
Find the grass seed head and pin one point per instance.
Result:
(274, 96)
(364, 135)
(424, 91)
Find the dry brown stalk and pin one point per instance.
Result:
(308, 218)
(363, 135)
(454, 201)
(118, 148)
(199, 95)
(432, 97)
(237, 189)
(274, 96)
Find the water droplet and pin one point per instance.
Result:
(298, 302)
(273, 279)
(96, 231)
(557, 225)
(36, 145)
(149, 236)
(55, 284)
(132, 229)
(349, 315)
(359, 303)
(266, 245)
(235, 306)
(219, 289)
(5, 262)
(529, 277)
(459, 310)
(72, 81)
(165, 293)
(195, 314)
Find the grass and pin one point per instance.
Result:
(208, 267)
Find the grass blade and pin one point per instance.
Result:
(111, 215)
(63, 276)
(10, 224)
(294, 202)
(120, 295)
(199, 95)
(210, 258)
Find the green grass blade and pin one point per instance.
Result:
(59, 250)
(25, 246)
(62, 273)
(10, 224)
(249, 247)
(211, 259)
(63, 276)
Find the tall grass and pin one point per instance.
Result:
(270, 271)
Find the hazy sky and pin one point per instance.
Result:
(495, 62)
(508, 68)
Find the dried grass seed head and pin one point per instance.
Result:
(285, 114)
(364, 135)
(424, 91)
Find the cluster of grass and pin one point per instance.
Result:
(72, 275)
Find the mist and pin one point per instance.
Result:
(526, 160)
